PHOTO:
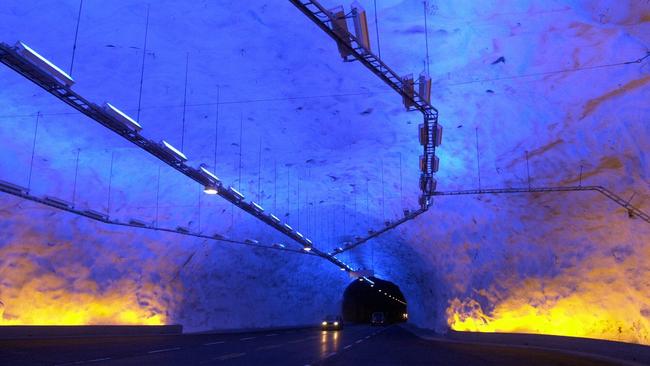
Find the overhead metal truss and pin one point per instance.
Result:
(62, 205)
(10, 57)
(326, 20)
(632, 210)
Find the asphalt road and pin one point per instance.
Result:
(354, 345)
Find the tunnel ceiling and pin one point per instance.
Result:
(325, 145)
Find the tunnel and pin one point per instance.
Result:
(195, 167)
(361, 299)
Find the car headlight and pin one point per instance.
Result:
(336, 324)
(324, 323)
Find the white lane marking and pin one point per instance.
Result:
(367, 337)
(213, 343)
(247, 338)
(269, 347)
(330, 355)
(272, 335)
(229, 356)
(359, 341)
(164, 350)
(348, 346)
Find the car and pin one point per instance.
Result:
(332, 322)
(377, 318)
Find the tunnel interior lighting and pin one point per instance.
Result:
(137, 222)
(236, 193)
(120, 116)
(209, 174)
(309, 241)
(299, 234)
(288, 227)
(279, 245)
(252, 241)
(210, 190)
(307, 249)
(174, 151)
(96, 215)
(274, 218)
(336, 324)
(342, 268)
(58, 202)
(257, 207)
(42, 63)
(361, 25)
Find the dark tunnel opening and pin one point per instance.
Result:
(361, 299)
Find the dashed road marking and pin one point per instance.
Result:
(348, 346)
(359, 341)
(213, 343)
(164, 350)
(99, 359)
(247, 338)
(269, 347)
(229, 356)
(330, 355)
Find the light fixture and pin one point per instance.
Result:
(299, 234)
(208, 173)
(96, 215)
(235, 193)
(306, 248)
(252, 241)
(137, 222)
(257, 207)
(324, 323)
(342, 268)
(274, 218)
(121, 117)
(13, 187)
(336, 324)
(58, 202)
(173, 151)
(279, 245)
(288, 227)
(210, 190)
(42, 63)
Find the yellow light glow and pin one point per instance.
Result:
(34, 291)
(603, 298)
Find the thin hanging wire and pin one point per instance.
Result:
(187, 62)
(31, 164)
(144, 53)
(76, 171)
(377, 30)
(426, 35)
(241, 136)
(76, 36)
(216, 132)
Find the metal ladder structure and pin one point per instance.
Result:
(326, 20)
(14, 60)
(632, 210)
